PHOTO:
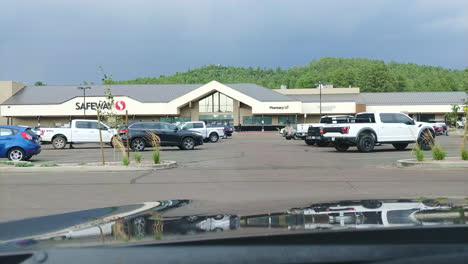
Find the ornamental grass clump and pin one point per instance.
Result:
(23, 164)
(120, 146)
(438, 153)
(419, 153)
(155, 143)
(137, 156)
(464, 154)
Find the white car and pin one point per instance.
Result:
(368, 129)
(461, 123)
(211, 134)
(79, 131)
(217, 223)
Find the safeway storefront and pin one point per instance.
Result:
(251, 105)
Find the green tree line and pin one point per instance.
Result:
(369, 75)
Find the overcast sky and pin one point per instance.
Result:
(65, 41)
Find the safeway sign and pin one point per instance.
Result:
(120, 105)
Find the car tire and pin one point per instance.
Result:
(371, 204)
(137, 144)
(188, 143)
(366, 143)
(288, 138)
(214, 137)
(16, 154)
(191, 218)
(218, 217)
(59, 142)
(426, 140)
(322, 144)
(310, 142)
(341, 147)
(400, 146)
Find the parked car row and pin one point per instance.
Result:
(22, 142)
(300, 131)
(185, 136)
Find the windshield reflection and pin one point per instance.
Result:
(167, 220)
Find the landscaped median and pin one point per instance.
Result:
(450, 162)
(26, 166)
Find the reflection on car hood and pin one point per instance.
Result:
(174, 220)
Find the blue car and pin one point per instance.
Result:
(18, 143)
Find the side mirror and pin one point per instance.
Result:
(104, 128)
(176, 129)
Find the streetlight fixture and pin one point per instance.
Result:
(84, 98)
(320, 84)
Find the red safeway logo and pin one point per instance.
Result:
(120, 105)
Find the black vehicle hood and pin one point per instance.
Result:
(179, 220)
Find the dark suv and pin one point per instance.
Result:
(169, 134)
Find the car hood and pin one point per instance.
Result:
(182, 220)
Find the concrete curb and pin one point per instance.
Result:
(452, 162)
(167, 164)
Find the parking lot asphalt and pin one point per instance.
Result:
(250, 167)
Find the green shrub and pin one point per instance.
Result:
(125, 160)
(438, 153)
(82, 163)
(23, 164)
(49, 165)
(464, 154)
(7, 162)
(155, 156)
(137, 156)
(419, 153)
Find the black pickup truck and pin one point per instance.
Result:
(314, 133)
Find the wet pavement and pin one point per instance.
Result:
(264, 168)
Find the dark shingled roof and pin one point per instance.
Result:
(145, 93)
(412, 98)
(315, 98)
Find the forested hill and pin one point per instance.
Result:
(369, 75)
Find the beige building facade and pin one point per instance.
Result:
(215, 103)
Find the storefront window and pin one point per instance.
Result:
(216, 102)
(174, 119)
(283, 120)
(256, 120)
(217, 120)
(426, 117)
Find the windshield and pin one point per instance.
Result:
(291, 116)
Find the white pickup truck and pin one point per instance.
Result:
(211, 134)
(367, 130)
(79, 131)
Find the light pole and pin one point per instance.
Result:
(84, 98)
(320, 84)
